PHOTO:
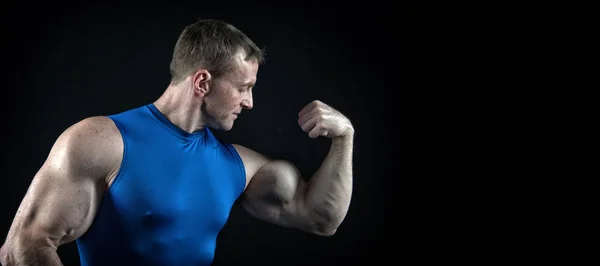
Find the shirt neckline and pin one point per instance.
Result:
(174, 128)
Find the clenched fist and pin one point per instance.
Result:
(319, 119)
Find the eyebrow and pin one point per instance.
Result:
(249, 84)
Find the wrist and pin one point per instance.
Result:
(347, 136)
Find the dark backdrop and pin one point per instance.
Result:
(65, 63)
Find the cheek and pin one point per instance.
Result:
(223, 100)
(227, 99)
(224, 104)
(233, 100)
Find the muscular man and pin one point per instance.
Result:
(153, 186)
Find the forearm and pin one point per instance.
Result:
(330, 188)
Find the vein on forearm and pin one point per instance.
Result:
(330, 188)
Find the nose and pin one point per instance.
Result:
(247, 102)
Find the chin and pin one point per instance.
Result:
(226, 127)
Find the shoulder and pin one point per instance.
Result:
(253, 161)
(96, 131)
(91, 143)
(258, 165)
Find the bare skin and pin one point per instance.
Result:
(65, 194)
(276, 192)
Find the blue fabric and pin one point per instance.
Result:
(172, 195)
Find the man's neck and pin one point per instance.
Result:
(180, 106)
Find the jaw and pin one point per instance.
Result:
(228, 125)
(224, 124)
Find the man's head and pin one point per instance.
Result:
(223, 64)
(224, 98)
(211, 45)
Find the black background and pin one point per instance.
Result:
(63, 63)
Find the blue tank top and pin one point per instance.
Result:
(172, 195)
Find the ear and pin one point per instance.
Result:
(200, 81)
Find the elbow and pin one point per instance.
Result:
(7, 254)
(326, 228)
(3, 255)
(325, 232)
(325, 222)
(20, 249)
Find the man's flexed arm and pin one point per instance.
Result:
(65, 193)
(329, 190)
(278, 194)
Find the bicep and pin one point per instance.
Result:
(276, 195)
